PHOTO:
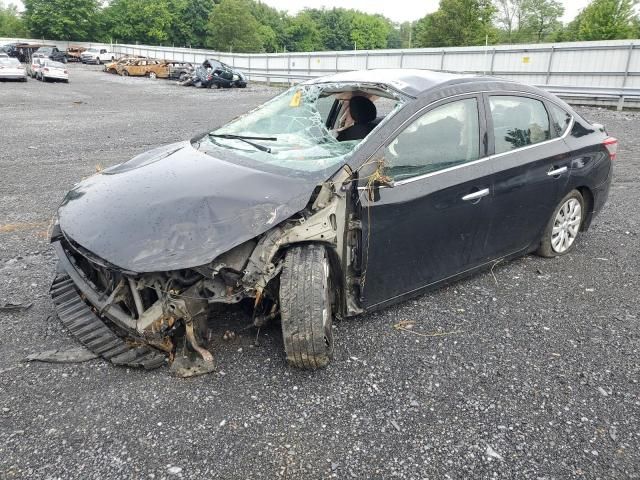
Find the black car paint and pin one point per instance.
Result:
(178, 208)
(220, 75)
(414, 236)
(420, 234)
(52, 53)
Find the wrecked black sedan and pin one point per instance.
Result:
(342, 195)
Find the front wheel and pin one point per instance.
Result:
(564, 225)
(306, 309)
(153, 75)
(98, 61)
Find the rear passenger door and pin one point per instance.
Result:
(531, 169)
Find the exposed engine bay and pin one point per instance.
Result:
(169, 310)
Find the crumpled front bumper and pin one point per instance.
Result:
(81, 309)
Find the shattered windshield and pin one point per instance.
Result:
(295, 130)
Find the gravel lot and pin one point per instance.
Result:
(537, 378)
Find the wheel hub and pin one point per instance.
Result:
(566, 225)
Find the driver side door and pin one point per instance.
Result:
(434, 222)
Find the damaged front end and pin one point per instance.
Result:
(147, 248)
(147, 319)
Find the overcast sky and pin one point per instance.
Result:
(396, 10)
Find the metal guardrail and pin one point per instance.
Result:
(567, 92)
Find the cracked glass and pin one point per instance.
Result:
(293, 128)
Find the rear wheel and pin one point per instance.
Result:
(564, 226)
(153, 75)
(306, 307)
(124, 73)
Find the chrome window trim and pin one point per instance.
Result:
(474, 162)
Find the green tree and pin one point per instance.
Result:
(195, 16)
(139, 21)
(302, 34)
(11, 24)
(509, 17)
(334, 26)
(457, 23)
(272, 25)
(607, 20)
(232, 27)
(540, 17)
(369, 31)
(61, 19)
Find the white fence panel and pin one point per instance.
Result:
(610, 64)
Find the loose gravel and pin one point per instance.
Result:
(536, 377)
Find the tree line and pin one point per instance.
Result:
(252, 26)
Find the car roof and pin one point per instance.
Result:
(421, 83)
(411, 81)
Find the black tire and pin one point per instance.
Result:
(98, 61)
(306, 308)
(124, 73)
(546, 248)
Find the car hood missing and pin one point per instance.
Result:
(176, 207)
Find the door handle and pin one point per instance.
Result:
(476, 195)
(557, 171)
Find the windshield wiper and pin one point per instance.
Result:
(246, 139)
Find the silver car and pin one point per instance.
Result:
(12, 69)
(52, 71)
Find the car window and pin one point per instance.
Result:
(324, 105)
(446, 136)
(518, 121)
(559, 120)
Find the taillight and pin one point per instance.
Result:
(611, 144)
(46, 69)
(66, 73)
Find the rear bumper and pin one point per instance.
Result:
(601, 193)
(55, 76)
(13, 76)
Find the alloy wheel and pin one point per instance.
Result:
(566, 225)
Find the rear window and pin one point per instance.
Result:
(518, 122)
(55, 65)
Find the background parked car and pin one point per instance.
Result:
(52, 53)
(179, 70)
(52, 71)
(97, 55)
(12, 69)
(34, 65)
(22, 51)
(112, 67)
(73, 53)
(145, 67)
(215, 74)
